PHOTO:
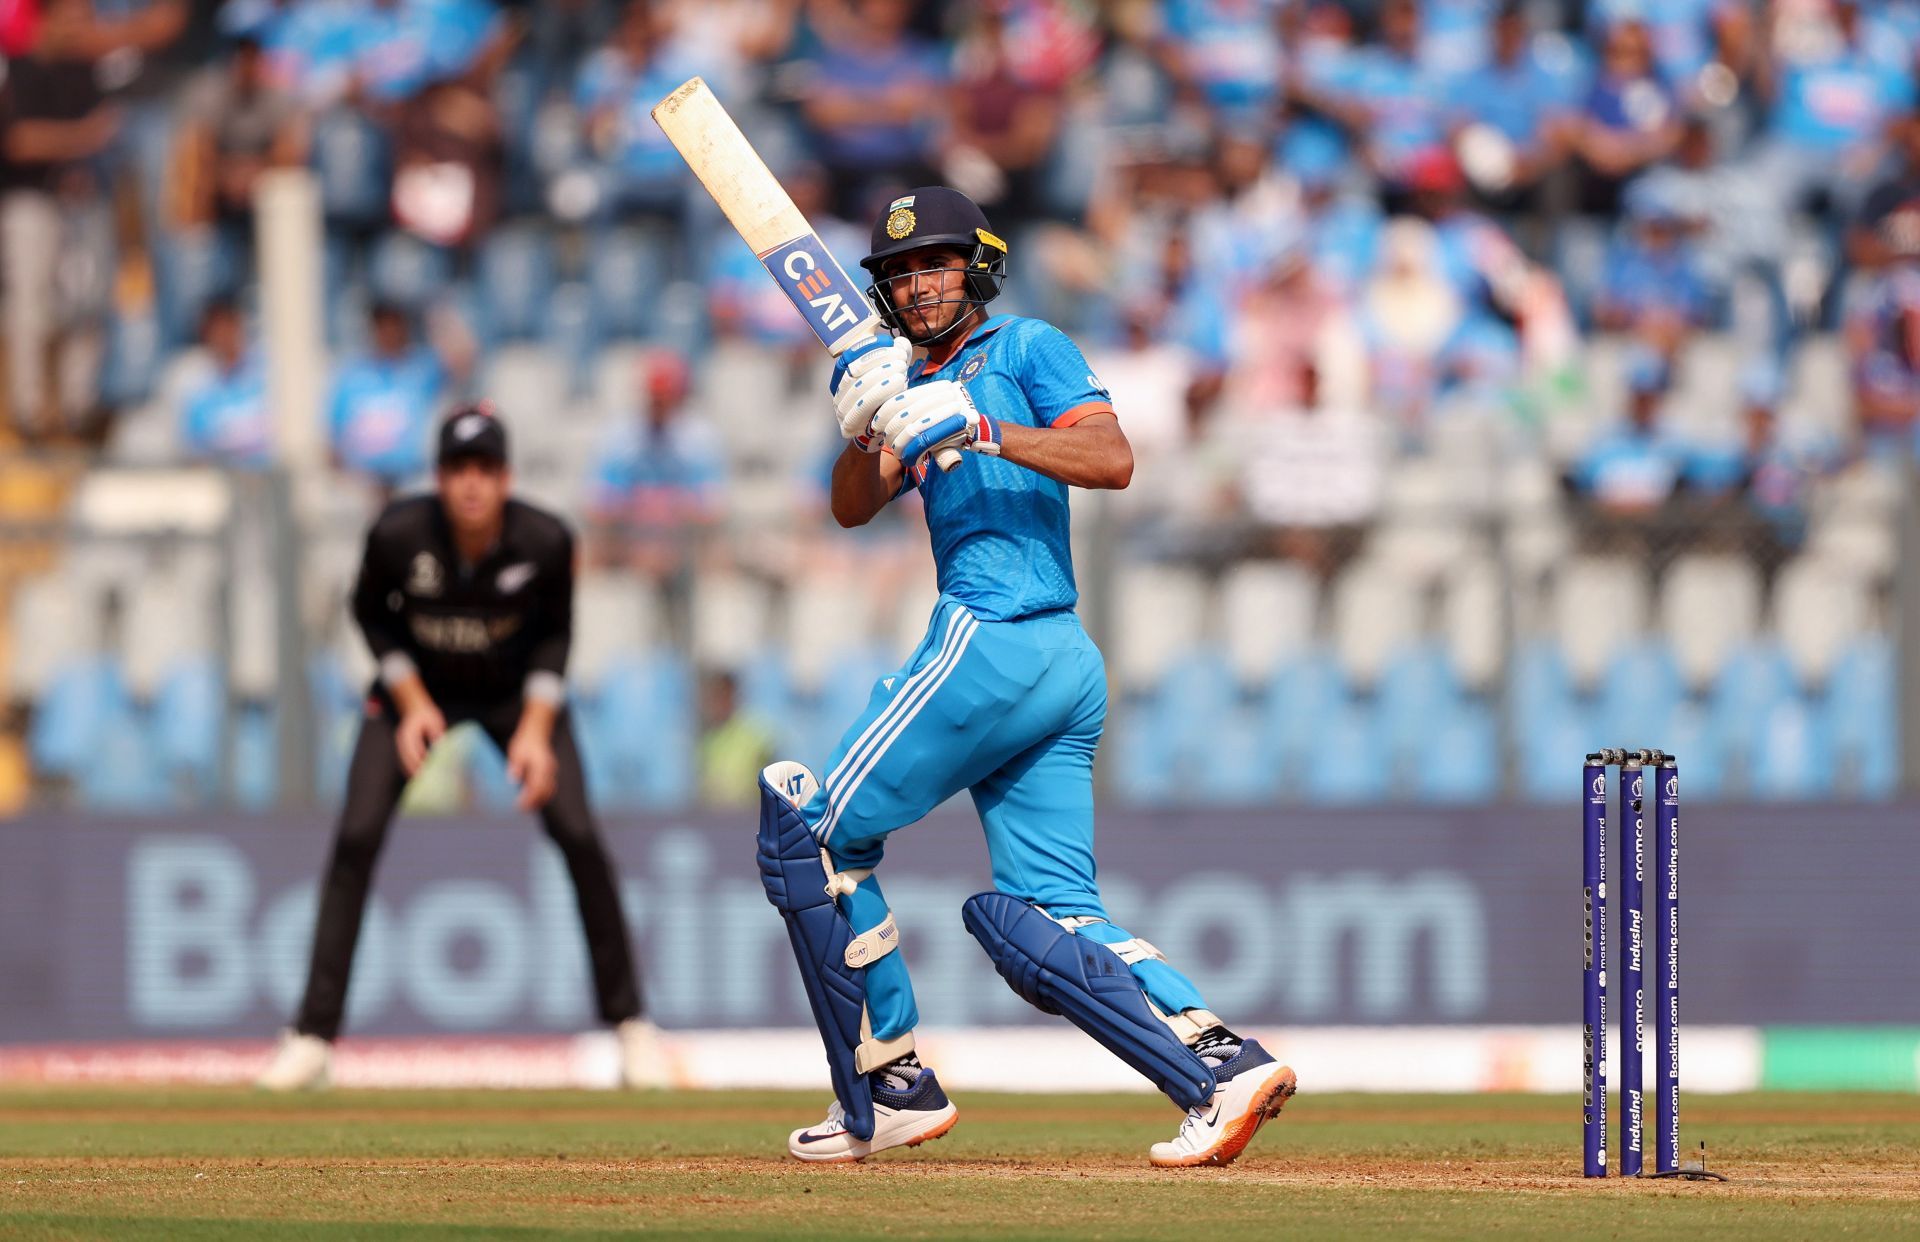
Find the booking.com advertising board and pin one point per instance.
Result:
(154, 928)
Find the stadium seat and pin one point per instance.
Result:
(1552, 745)
(1237, 762)
(1860, 716)
(1690, 737)
(1599, 605)
(731, 619)
(516, 274)
(525, 382)
(1462, 763)
(1709, 606)
(1472, 602)
(1267, 613)
(74, 712)
(1755, 678)
(1793, 760)
(1158, 614)
(1348, 762)
(615, 617)
(1417, 689)
(121, 770)
(189, 711)
(625, 278)
(826, 620)
(1639, 695)
(1819, 608)
(256, 758)
(1376, 615)
(1706, 387)
(50, 633)
(1306, 691)
(408, 271)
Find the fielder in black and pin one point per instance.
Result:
(466, 599)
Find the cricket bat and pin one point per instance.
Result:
(760, 210)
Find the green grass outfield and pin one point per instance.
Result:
(229, 1163)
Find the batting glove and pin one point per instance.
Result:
(936, 416)
(863, 379)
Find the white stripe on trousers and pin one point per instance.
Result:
(878, 725)
(911, 701)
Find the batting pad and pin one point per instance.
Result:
(800, 888)
(1090, 986)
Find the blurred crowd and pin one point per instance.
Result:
(1301, 240)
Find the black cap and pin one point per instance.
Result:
(473, 431)
(931, 215)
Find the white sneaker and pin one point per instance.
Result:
(1251, 1088)
(643, 1064)
(901, 1118)
(301, 1063)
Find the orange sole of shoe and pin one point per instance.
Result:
(1272, 1097)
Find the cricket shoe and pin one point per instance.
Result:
(1252, 1087)
(643, 1063)
(904, 1115)
(301, 1063)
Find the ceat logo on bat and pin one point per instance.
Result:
(815, 284)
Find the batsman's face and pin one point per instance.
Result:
(929, 289)
(474, 493)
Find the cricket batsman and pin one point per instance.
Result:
(1005, 697)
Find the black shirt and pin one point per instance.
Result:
(475, 633)
(44, 90)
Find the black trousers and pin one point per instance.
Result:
(375, 781)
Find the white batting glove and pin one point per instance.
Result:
(936, 416)
(863, 380)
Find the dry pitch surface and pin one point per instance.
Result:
(215, 1163)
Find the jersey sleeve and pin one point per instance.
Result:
(372, 590)
(1061, 388)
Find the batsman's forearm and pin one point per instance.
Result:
(1093, 453)
(863, 483)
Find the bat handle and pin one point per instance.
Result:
(947, 459)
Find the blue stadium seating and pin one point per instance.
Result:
(517, 277)
(256, 757)
(188, 718)
(1860, 716)
(1461, 759)
(1793, 759)
(1347, 762)
(1640, 694)
(79, 706)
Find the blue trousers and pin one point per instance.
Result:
(1012, 712)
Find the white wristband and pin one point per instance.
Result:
(545, 687)
(396, 667)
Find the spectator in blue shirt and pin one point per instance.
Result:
(1631, 119)
(615, 94)
(380, 419)
(224, 419)
(1635, 467)
(1688, 36)
(1228, 50)
(1385, 97)
(1502, 112)
(1771, 468)
(1832, 102)
(658, 479)
(1652, 286)
(870, 101)
(1883, 337)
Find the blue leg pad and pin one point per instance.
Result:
(1088, 984)
(796, 883)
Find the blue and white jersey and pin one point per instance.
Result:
(1000, 531)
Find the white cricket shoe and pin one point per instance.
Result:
(901, 1118)
(643, 1064)
(301, 1063)
(1251, 1088)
